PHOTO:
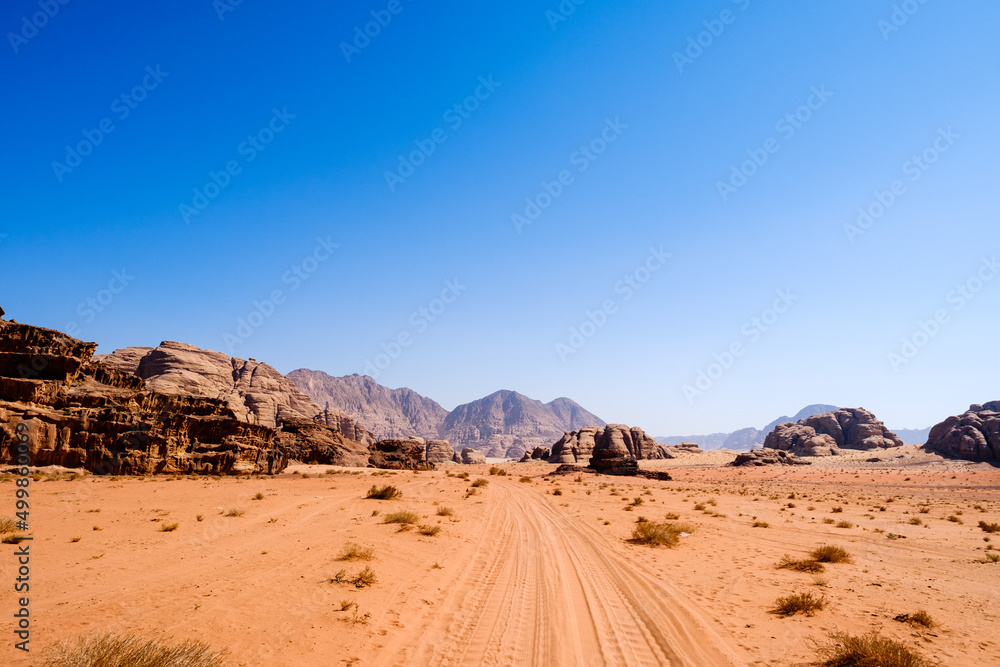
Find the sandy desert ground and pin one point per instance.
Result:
(533, 571)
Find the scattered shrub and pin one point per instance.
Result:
(830, 553)
(989, 527)
(445, 511)
(655, 534)
(557, 492)
(915, 521)
(353, 551)
(131, 651)
(845, 650)
(384, 493)
(954, 519)
(365, 577)
(430, 531)
(480, 482)
(837, 510)
(827, 519)
(761, 524)
(845, 524)
(525, 479)
(787, 563)
(75, 539)
(920, 618)
(199, 517)
(671, 516)
(7, 525)
(233, 511)
(168, 527)
(402, 517)
(258, 496)
(345, 605)
(500, 472)
(805, 603)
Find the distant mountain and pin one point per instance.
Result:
(913, 436)
(744, 439)
(387, 413)
(506, 423)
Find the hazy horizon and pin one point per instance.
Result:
(510, 197)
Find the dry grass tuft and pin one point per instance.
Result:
(353, 551)
(920, 618)
(989, 527)
(168, 527)
(445, 511)
(498, 471)
(830, 553)
(387, 492)
(845, 650)
(480, 482)
(428, 530)
(761, 524)
(656, 534)
(131, 651)
(233, 511)
(7, 525)
(787, 563)
(804, 603)
(402, 517)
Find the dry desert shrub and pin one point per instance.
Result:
(845, 524)
(525, 479)
(235, 512)
(386, 492)
(989, 527)
(353, 551)
(498, 471)
(7, 525)
(402, 517)
(811, 566)
(428, 530)
(445, 511)
(480, 482)
(761, 524)
(804, 603)
(168, 527)
(920, 618)
(656, 534)
(829, 553)
(131, 651)
(365, 577)
(845, 650)
(258, 496)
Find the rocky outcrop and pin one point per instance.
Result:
(536, 454)
(254, 391)
(398, 455)
(767, 457)
(472, 456)
(80, 413)
(613, 462)
(684, 448)
(827, 433)
(440, 451)
(972, 436)
(507, 424)
(387, 413)
(308, 441)
(579, 446)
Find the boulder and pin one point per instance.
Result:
(826, 434)
(536, 454)
(766, 457)
(398, 455)
(972, 436)
(439, 451)
(471, 456)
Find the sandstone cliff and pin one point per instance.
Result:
(973, 436)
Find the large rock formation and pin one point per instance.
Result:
(973, 436)
(766, 457)
(441, 451)
(506, 424)
(80, 413)
(827, 433)
(387, 413)
(471, 456)
(313, 442)
(398, 455)
(579, 446)
(254, 391)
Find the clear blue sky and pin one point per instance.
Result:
(673, 128)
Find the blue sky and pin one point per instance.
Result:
(619, 101)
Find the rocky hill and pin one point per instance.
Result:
(827, 433)
(973, 436)
(632, 442)
(254, 391)
(506, 423)
(387, 413)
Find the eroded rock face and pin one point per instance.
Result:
(972, 436)
(312, 442)
(471, 456)
(81, 413)
(398, 455)
(825, 434)
(536, 454)
(580, 446)
(254, 391)
(440, 451)
(767, 457)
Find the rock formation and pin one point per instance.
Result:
(536, 454)
(313, 442)
(387, 413)
(471, 456)
(398, 455)
(441, 451)
(973, 436)
(579, 446)
(766, 457)
(507, 424)
(827, 433)
(82, 413)
(254, 391)
(684, 448)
